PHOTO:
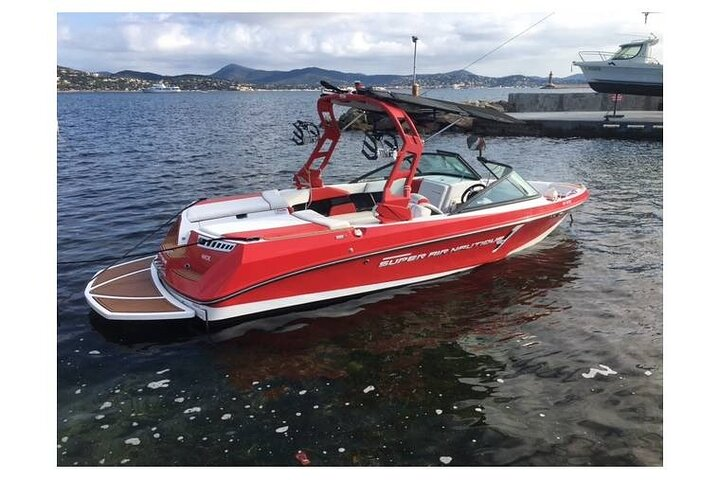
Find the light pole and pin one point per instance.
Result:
(415, 86)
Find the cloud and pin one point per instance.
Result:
(63, 34)
(368, 42)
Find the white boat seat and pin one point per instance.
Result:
(294, 196)
(253, 222)
(274, 199)
(379, 185)
(268, 200)
(350, 188)
(333, 223)
(419, 211)
(420, 206)
(358, 218)
(228, 208)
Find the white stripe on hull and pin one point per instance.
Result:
(268, 305)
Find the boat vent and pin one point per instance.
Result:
(212, 244)
(159, 265)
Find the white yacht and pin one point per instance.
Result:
(160, 87)
(631, 69)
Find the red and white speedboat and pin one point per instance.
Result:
(423, 216)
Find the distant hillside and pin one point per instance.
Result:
(300, 78)
(310, 77)
(238, 77)
(149, 76)
(69, 79)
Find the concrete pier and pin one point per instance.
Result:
(589, 101)
(579, 114)
(638, 124)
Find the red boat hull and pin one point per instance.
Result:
(326, 265)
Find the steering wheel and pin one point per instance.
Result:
(471, 192)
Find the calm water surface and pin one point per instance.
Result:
(493, 367)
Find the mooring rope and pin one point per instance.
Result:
(127, 254)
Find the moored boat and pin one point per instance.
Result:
(631, 69)
(422, 216)
(160, 87)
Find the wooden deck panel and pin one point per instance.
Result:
(133, 284)
(130, 267)
(138, 284)
(134, 305)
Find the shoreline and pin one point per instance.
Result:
(563, 87)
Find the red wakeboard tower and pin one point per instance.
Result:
(394, 107)
(393, 207)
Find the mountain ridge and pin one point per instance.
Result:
(234, 77)
(313, 75)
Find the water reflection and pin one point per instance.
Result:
(470, 310)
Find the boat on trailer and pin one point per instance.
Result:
(422, 216)
(630, 70)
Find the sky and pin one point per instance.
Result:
(370, 43)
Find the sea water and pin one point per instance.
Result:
(551, 357)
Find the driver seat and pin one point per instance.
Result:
(420, 206)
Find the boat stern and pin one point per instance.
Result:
(133, 291)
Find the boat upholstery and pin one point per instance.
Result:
(274, 199)
(379, 185)
(419, 206)
(254, 222)
(314, 217)
(268, 200)
(283, 199)
(214, 210)
(351, 188)
(419, 211)
(359, 218)
(294, 196)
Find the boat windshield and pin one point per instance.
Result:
(432, 163)
(509, 187)
(627, 52)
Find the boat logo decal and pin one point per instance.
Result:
(504, 239)
(410, 257)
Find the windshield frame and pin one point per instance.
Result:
(368, 176)
(625, 48)
(465, 207)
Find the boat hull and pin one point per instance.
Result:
(318, 266)
(648, 89)
(643, 79)
(388, 268)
